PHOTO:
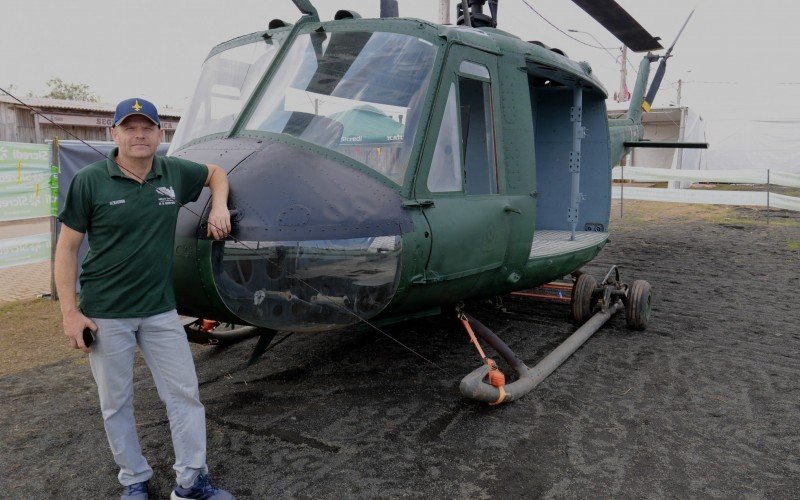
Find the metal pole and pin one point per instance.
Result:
(444, 11)
(622, 187)
(679, 152)
(578, 133)
(54, 168)
(768, 188)
(37, 129)
(623, 76)
(467, 17)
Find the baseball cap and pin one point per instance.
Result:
(136, 106)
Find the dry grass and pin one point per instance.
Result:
(31, 336)
(636, 212)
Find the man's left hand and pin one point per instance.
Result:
(219, 223)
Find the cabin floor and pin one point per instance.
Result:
(547, 242)
(701, 404)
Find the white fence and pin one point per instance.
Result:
(748, 198)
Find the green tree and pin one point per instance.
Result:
(59, 89)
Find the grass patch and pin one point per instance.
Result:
(784, 190)
(31, 335)
(637, 213)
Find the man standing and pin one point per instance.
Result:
(128, 205)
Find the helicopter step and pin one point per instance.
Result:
(548, 242)
(592, 304)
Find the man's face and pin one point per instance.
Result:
(137, 137)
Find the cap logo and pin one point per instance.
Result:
(137, 106)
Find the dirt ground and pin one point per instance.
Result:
(704, 403)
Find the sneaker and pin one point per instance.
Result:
(202, 489)
(136, 491)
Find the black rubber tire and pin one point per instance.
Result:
(638, 305)
(584, 298)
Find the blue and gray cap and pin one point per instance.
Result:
(136, 106)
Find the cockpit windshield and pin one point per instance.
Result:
(357, 93)
(225, 85)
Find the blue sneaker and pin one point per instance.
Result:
(136, 491)
(202, 489)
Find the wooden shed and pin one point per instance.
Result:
(89, 121)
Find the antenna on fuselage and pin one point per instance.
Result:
(389, 8)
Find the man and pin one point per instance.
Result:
(128, 205)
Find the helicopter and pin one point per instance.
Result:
(386, 169)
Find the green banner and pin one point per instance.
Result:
(24, 250)
(24, 181)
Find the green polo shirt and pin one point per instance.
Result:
(127, 272)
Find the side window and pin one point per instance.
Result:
(477, 133)
(445, 172)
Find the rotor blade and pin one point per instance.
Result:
(389, 8)
(621, 24)
(662, 68)
(651, 94)
(679, 35)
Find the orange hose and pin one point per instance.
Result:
(209, 324)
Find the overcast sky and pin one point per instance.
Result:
(738, 59)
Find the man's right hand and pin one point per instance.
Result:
(74, 323)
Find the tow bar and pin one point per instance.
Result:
(591, 304)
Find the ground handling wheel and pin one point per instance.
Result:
(638, 305)
(584, 298)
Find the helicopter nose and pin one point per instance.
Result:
(316, 241)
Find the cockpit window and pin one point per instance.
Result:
(357, 93)
(225, 85)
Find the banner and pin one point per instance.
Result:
(24, 181)
(24, 250)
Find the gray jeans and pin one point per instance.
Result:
(163, 343)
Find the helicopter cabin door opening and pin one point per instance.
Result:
(553, 107)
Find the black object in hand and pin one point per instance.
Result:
(88, 336)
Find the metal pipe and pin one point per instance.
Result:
(307, 9)
(498, 345)
(473, 386)
(560, 354)
(466, 12)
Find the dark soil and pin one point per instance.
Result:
(704, 403)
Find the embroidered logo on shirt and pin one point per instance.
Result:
(116, 202)
(168, 195)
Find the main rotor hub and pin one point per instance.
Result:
(477, 17)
